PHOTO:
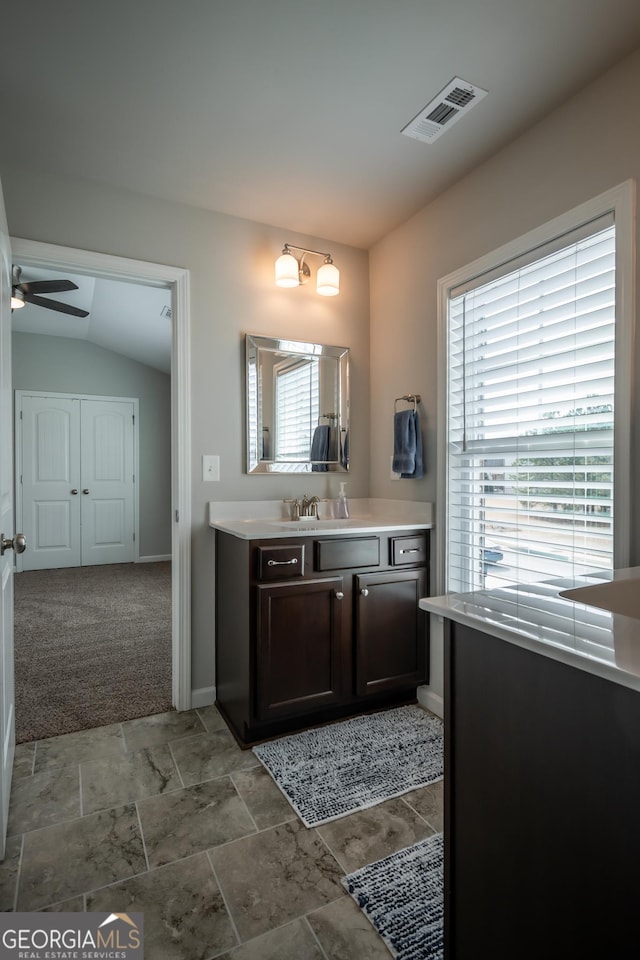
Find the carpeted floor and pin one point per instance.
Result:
(92, 646)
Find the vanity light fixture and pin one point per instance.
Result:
(291, 272)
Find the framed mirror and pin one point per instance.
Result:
(297, 399)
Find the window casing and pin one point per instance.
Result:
(536, 404)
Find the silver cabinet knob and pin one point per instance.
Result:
(74, 491)
(17, 543)
(86, 490)
(364, 592)
(339, 595)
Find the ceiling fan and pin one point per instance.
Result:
(28, 292)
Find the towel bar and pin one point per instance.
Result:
(413, 398)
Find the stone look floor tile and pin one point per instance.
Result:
(23, 760)
(291, 942)
(51, 796)
(266, 804)
(161, 728)
(211, 718)
(116, 780)
(192, 819)
(429, 803)
(184, 913)
(211, 755)
(75, 905)
(9, 874)
(372, 834)
(72, 748)
(67, 859)
(345, 933)
(275, 876)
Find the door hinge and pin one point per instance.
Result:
(21, 414)
(133, 417)
(134, 536)
(177, 517)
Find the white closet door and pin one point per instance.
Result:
(50, 475)
(106, 433)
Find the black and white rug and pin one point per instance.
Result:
(331, 771)
(403, 898)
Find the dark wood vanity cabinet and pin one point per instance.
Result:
(309, 630)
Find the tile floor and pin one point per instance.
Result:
(167, 816)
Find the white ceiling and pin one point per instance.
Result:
(127, 318)
(289, 112)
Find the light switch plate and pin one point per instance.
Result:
(210, 466)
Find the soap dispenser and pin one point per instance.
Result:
(342, 506)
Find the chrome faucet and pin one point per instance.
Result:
(310, 506)
(306, 507)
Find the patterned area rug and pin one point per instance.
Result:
(329, 772)
(402, 896)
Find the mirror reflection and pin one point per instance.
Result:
(297, 397)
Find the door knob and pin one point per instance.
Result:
(17, 543)
(339, 595)
(86, 490)
(364, 592)
(74, 491)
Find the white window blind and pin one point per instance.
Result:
(531, 353)
(298, 407)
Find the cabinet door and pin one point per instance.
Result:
(299, 647)
(391, 630)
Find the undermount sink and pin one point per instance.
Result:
(312, 523)
(617, 596)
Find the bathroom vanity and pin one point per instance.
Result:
(320, 619)
(542, 769)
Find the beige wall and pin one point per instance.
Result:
(586, 146)
(232, 292)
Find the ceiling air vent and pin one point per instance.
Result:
(453, 102)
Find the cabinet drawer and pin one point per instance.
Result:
(280, 563)
(408, 550)
(344, 553)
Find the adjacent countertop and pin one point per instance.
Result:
(270, 519)
(537, 617)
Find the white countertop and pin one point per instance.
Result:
(269, 519)
(535, 616)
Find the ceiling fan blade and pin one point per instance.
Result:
(47, 286)
(55, 305)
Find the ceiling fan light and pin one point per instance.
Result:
(328, 279)
(287, 270)
(17, 299)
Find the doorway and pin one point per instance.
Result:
(41, 255)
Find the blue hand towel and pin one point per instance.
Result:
(320, 448)
(407, 445)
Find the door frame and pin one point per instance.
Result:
(18, 458)
(37, 254)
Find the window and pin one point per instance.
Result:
(297, 408)
(532, 409)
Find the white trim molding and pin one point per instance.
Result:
(35, 253)
(203, 697)
(431, 701)
(162, 557)
(621, 201)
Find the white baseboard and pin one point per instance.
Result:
(158, 559)
(203, 697)
(432, 701)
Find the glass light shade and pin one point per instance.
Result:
(287, 271)
(17, 302)
(328, 283)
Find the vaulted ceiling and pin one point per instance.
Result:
(289, 112)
